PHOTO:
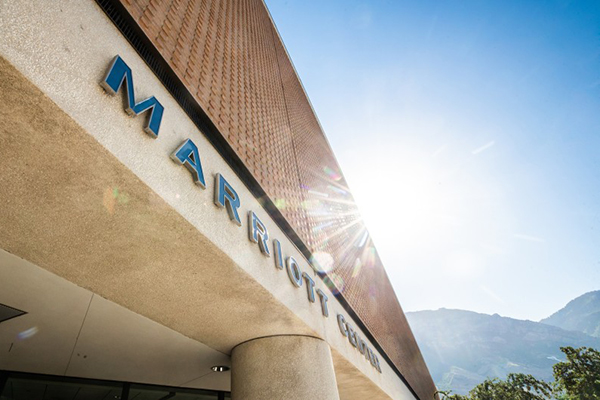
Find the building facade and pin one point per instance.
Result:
(174, 221)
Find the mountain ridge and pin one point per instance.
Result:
(580, 314)
(463, 348)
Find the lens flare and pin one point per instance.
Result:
(357, 268)
(109, 201)
(322, 226)
(335, 283)
(279, 203)
(315, 192)
(368, 257)
(333, 175)
(112, 197)
(322, 261)
(363, 239)
(337, 190)
(373, 291)
(27, 333)
(310, 204)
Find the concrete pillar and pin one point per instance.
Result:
(283, 367)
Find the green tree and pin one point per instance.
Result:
(447, 395)
(515, 387)
(578, 378)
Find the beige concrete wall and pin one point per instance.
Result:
(283, 367)
(157, 244)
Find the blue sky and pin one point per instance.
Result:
(484, 116)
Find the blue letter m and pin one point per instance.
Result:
(119, 72)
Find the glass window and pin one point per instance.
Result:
(190, 396)
(20, 386)
(146, 392)
(17, 388)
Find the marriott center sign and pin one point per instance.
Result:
(225, 196)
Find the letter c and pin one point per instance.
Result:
(342, 325)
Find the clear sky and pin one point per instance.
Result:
(469, 133)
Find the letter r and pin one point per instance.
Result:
(225, 196)
(258, 233)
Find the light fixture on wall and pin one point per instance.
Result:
(220, 368)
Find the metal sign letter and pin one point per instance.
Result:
(118, 72)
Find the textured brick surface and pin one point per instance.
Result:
(230, 57)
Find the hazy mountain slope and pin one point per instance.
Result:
(462, 348)
(581, 314)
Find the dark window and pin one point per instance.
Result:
(22, 386)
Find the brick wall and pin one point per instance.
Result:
(230, 57)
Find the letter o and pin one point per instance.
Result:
(294, 272)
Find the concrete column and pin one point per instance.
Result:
(283, 367)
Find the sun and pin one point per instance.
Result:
(404, 204)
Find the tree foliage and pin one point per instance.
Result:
(577, 378)
(515, 387)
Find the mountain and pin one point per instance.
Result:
(581, 314)
(463, 348)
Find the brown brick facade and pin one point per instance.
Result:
(229, 55)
